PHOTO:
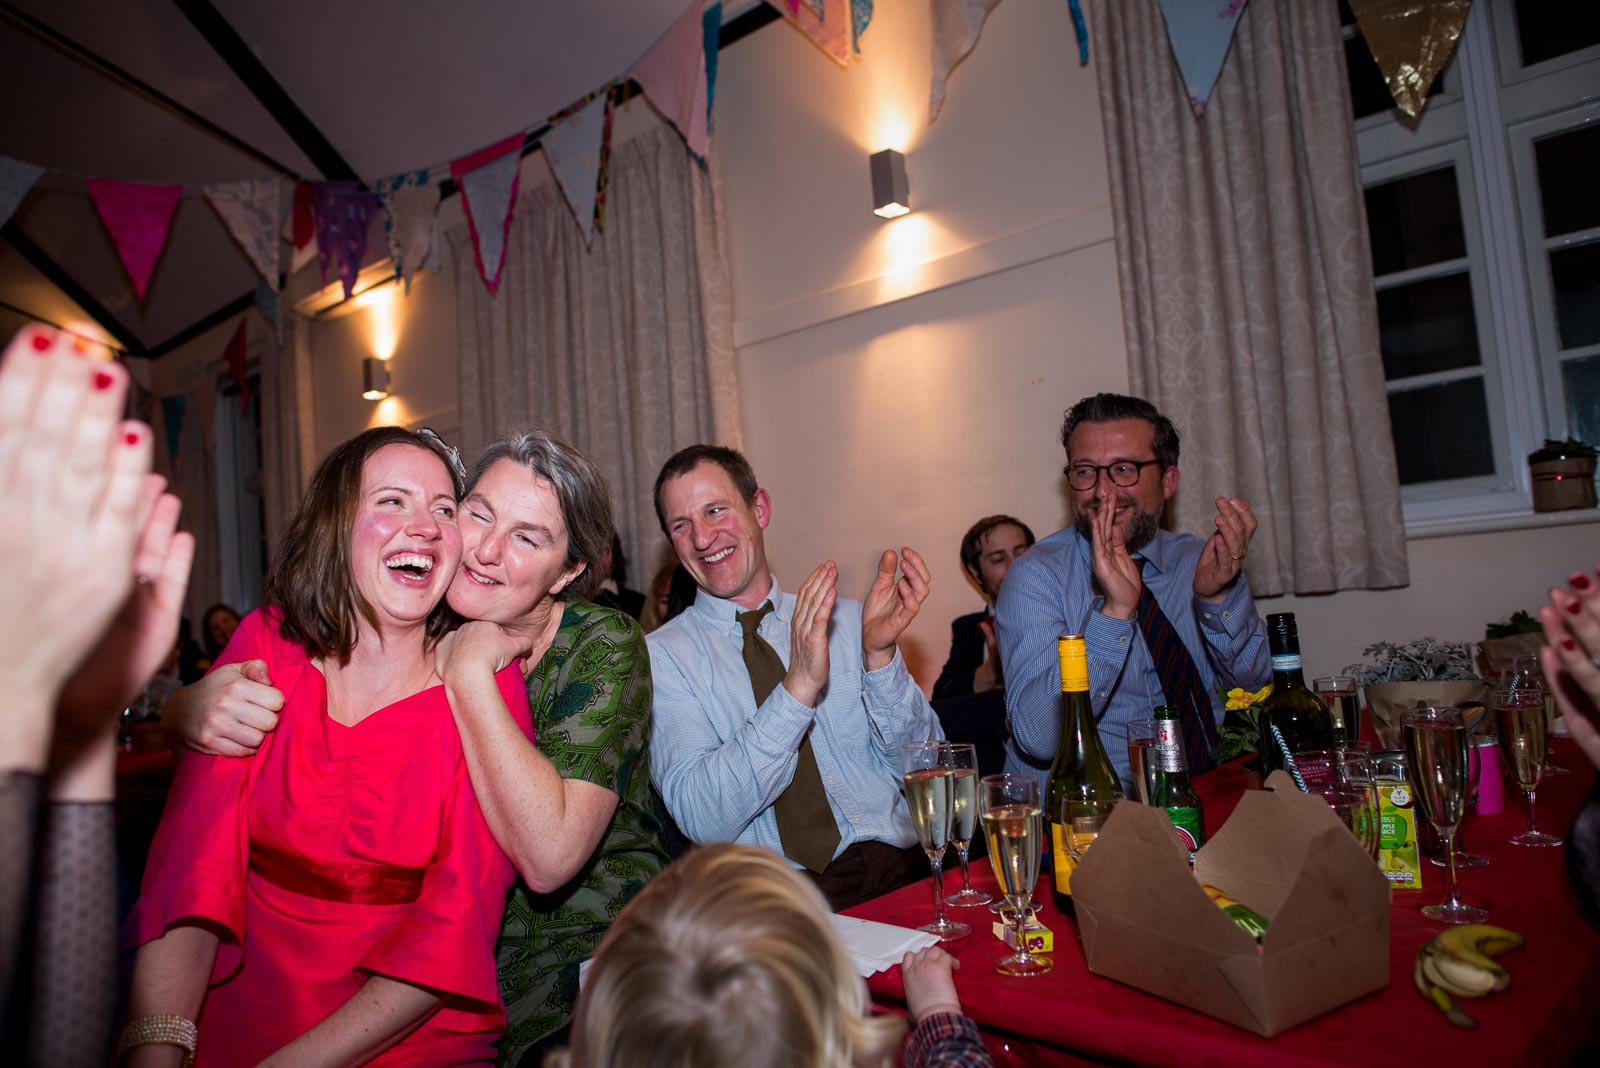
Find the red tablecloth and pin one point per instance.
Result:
(1071, 1016)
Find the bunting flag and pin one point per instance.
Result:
(488, 180)
(572, 148)
(271, 307)
(410, 203)
(238, 348)
(956, 26)
(605, 160)
(16, 178)
(832, 35)
(172, 418)
(673, 76)
(137, 216)
(304, 226)
(711, 33)
(1200, 32)
(1411, 43)
(342, 211)
(253, 213)
(861, 18)
(1080, 28)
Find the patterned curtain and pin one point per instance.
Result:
(1247, 288)
(625, 348)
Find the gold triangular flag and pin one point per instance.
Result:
(1411, 40)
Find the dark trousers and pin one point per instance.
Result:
(867, 870)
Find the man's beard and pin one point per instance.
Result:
(1139, 528)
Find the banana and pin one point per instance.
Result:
(1459, 963)
(1439, 997)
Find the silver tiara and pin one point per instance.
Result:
(450, 450)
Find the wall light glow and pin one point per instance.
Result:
(381, 307)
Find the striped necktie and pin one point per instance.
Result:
(1180, 681)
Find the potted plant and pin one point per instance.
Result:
(1563, 475)
(1426, 671)
(1240, 731)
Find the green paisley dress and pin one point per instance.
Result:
(590, 695)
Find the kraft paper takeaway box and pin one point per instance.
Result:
(1146, 921)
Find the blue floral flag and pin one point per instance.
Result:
(573, 149)
(1201, 32)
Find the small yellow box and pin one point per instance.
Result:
(1040, 940)
(1398, 856)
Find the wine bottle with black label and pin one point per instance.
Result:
(1293, 719)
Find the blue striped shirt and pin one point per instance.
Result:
(719, 763)
(1050, 591)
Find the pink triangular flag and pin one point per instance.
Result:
(137, 215)
(238, 348)
(673, 76)
(488, 180)
(831, 34)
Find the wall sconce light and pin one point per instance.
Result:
(891, 193)
(374, 379)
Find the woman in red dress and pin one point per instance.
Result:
(335, 900)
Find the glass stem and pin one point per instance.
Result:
(1020, 906)
(938, 890)
(1528, 793)
(966, 876)
(1448, 837)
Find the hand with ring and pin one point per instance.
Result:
(1221, 559)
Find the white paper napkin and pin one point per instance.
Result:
(875, 946)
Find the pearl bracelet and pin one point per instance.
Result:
(166, 1029)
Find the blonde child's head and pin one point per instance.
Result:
(726, 959)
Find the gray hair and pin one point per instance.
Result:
(581, 490)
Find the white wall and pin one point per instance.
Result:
(901, 379)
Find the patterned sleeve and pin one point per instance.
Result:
(946, 1040)
(593, 717)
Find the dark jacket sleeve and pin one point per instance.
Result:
(966, 656)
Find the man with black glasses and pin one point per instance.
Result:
(1166, 617)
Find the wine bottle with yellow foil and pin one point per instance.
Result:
(1083, 784)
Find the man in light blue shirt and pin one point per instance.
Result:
(1092, 578)
(720, 763)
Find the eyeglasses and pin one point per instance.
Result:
(1123, 473)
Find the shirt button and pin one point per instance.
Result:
(855, 819)
(1227, 615)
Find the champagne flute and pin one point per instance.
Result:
(964, 819)
(1436, 749)
(1521, 726)
(1474, 773)
(930, 795)
(1141, 755)
(1338, 692)
(1526, 674)
(1014, 826)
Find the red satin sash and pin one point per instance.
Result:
(353, 882)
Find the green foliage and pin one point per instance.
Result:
(1239, 732)
(1518, 622)
(1555, 450)
(1415, 661)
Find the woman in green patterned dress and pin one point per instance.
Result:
(574, 811)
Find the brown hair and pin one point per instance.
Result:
(581, 491)
(727, 957)
(310, 581)
(972, 541)
(685, 460)
(1110, 407)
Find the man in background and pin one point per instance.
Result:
(987, 551)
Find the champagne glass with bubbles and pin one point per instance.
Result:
(964, 819)
(1014, 827)
(1521, 728)
(930, 795)
(1436, 751)
(1527, 675)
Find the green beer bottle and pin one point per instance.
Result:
(1083, 786)
(1170, 787)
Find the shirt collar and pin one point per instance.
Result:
(725, 613)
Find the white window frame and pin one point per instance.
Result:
(1487, 122)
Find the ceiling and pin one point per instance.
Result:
(364, 89)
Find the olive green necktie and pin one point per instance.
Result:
(805, 822)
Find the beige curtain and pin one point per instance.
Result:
(288, 447)
(626, 348)
(1247, 288)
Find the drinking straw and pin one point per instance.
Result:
(1288, 760)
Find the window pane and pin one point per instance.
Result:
(1569, 179)
(1441, 432)
(1575, 276)
(1582, 381)
(1369, 93)
(1427, 326)
(1415, 221)
(1550, 28)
